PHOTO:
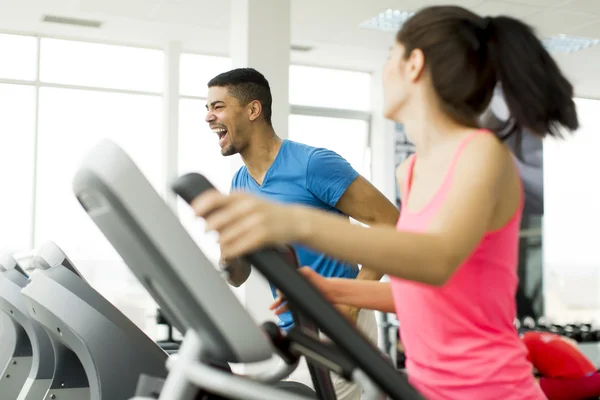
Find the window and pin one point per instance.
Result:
(19, 56)
(101, 65)
(70, 123)
(196, 70)
(347, 137)
(17, 129)
(199, 152)
(330, 88)
(571, 198)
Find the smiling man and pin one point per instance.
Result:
(239, 108)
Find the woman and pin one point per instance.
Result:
(452, 258)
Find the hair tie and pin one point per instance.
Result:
(486, 28)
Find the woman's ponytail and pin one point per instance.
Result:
(538, 95)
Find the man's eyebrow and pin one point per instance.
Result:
(214, 103)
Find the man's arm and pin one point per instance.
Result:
(336, 183)
(363, 202)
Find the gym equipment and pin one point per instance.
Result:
(20, 364)
(193, 296)
(355, 357)
(169, 344)
(8, 337)
(88, 332)
(189, 290)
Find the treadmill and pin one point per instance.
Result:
(18, 356)
(194, 296)
(100, 353)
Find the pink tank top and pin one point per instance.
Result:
(459, 338)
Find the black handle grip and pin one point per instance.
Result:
(272, 264)
(190, 186)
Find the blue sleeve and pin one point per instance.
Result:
(234, 181)
(328, 175)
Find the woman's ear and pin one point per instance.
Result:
(415, 64)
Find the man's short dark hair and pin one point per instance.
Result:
(246, 85)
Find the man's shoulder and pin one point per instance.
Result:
(239, 177)
(299, 150)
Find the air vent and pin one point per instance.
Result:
(87, 23)
(297, 47)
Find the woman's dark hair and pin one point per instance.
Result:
(467, 56)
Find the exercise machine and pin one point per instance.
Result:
(191, 294)
(18, 361)
(194, 297)
(102, 353)
(8, 335)
(42, 364)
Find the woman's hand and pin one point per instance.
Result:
(246, 223)
(322, 284)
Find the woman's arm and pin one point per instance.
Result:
(368, 295)
(354, 293)
(430, 257)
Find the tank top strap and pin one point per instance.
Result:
(409, 174)
(460, 148)
(450, 172)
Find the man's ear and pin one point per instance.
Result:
(254, 110)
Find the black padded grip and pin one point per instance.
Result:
(272, 264)
(190, 186)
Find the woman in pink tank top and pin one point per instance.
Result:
(452, 258)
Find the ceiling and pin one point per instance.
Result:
(332, 32)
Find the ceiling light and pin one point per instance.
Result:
(392, 20)
(568, 44)
(388, 21)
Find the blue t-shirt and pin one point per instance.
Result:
(314, 177)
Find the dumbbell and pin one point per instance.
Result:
(573, 331)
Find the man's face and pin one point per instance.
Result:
(226, 118)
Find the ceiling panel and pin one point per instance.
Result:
(584, 6)
(496, 8)
(138, 9)
(194, 12)
(591, 30)
(554, 22)
(539, 3)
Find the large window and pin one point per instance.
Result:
(330, 88)
(17, 129)
(72, 120)
(70, 123)
(196, 70)
(571, 215)
(347, 137)
(101, 65)
(19, 56)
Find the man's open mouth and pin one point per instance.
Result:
(221, 132)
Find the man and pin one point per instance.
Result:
(239, 111)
